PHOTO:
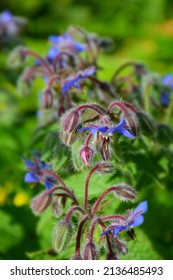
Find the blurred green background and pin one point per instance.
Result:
(142, 30)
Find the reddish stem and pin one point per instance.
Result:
(73, 209)
(42, 61)
(101, 197)
(79, 233)
(86, 186)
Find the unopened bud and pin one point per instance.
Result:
(147, 124)
(41, 202)
(16, 57)
(56, 207)
(105, 150)
(71, 120)
(90, 251)
(23, 86)
(86, 154)
(125, 192)
(104, 167)
(61, 235)
(47, 99)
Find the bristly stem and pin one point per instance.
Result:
(42, 61)
(100, 110)
(72, 210)
(67, 190)
(122, 67)
(79, 233)
(86, 186)
(101, 197)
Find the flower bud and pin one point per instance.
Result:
(86, 154)
(125, 192)
(56, 207)
(16, 57)
(104, 167)
(41, 202)
(61, 235)
(90, 251)
(71, 120)
(23, 86)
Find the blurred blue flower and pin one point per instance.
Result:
(53, 52)
(168, 80)
(5, 17)
(67, 41)
(75, 79)
(133, 219)
(35, 174)
(120, 128)
(165, 98)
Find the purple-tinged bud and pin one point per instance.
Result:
(47, 99)
(61, 236)
(90, 251)
(16, 57)
(112, 256)
(86, 154)
(41, 202)
(71, 120)
(125, 192)
(104, 167)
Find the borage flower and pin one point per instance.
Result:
(66, 41)
(36, 175)
(120, 128)
(75, 79)
(132, 219)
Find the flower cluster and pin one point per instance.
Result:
(69, 71)
(10, 26)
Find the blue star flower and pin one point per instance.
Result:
(120, 128)
(66, 40)
(75, 79)
(165, 98)
(5, 17)
(35, 174)
(168, 80)
(133, 219)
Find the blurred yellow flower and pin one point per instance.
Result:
(20, 199)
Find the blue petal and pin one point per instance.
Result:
(168, 80)
(137, 221)
(29, 163)
(143, 207)
(102, 129)
(48, 185)
(30, 177)
(53, 52)
(106, 231)
(126, 133)
(165, 98)
(118, 229)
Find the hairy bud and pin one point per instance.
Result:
(71, 120)
(104, 167)
(16, 57)
(41, 202)
(86, 154)
(125, 192)
(61, 235)
(90, 251)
